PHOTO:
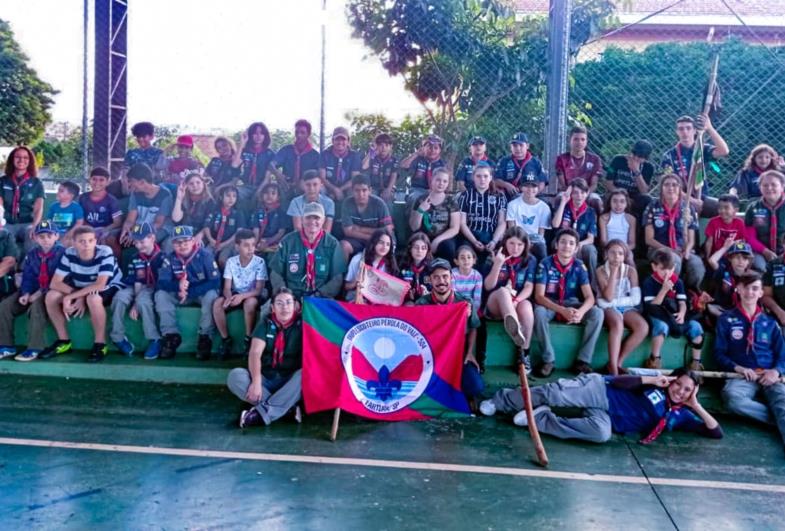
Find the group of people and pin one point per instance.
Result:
(257, 230)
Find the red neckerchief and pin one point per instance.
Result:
(149, 279)
(297, 154)
(222, 226)
(672, 293)
(255, 151)
(663, 422)
(266, 217)
(429, 172)
(682, 168)
(310, 258)
(279, 345)
(575, 214)
(773, 222)
(512, 265)
(563, 270)
(484, 157)
(732, 281)
(754, 167)
(417, 270)
(671, 215)
(449, 300)
(751, 320)
(519, 167)
(18, 192)
(185, 260)
(43, 273)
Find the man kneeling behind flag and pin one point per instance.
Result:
(391, 363)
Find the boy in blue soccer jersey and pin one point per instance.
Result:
(562, 291)
(87, 278)
(665, 306)
(140, 281)
(189, 275)
(749, 342)
(66, 213)
(647, 405)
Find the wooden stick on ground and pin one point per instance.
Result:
(336, 421)
(542, 457)
(638, 371)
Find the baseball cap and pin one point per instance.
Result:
(477, 140)
(740, 248)
(141, 231)
(185, 140)
(341, 131)
(433, 139)
(438, 263)
(519, 138)
(313, 209)
(182, 232)
(642, 149)
(44, 227)
(529, 179)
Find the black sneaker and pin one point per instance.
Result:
(581, 367)
(203, 347)
(545, 369)
(251, 417)
(226, 347)
(525, 360)
(170, 344)
(99, 352)
(61, 346)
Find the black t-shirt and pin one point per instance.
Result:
(292, 360)
(620, 175)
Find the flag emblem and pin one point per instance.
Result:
(388, 363)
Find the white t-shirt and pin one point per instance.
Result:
(244, 278)
(296, 206)
(530, 218)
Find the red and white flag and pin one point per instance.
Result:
(378, 287)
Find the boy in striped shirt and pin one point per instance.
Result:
(86, 278)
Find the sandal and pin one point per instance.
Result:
(696, 365)
(653, 362)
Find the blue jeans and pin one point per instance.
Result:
(660, 328)
(472, 384)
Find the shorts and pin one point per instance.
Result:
(357, 245)
(692, 329)
(108, 294)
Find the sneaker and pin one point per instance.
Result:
(298, 414)
(28, 355)
(203, 347)
(125, 347)
(99, 352)
(545, 369)
(653, 362)
(513, 328)
(7, 352)
(525, 360)
(61, 346)
(581, 367)
(169, 347)
(488, 408)
(521, 419)
(153, 350)
(251, 417)
(226, 347)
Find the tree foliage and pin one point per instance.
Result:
(473, 66)
(407, 135)
(25, 99)
(626, 95)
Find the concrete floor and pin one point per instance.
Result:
(57, 488)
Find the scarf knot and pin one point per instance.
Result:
(310, 258)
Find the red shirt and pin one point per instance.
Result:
(588, 167)
(720, 231)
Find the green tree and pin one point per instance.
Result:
(626, 95)
(25, 99)
(475, 69)
(407, 135)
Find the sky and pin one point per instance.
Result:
(215, 64)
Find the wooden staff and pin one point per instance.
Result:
(703, 374)
(542, 457)
(358, 299)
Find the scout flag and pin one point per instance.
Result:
(378, 287)
(384, 362)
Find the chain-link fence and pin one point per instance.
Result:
(633, 81)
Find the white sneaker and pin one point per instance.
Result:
(513, 329)
(520, 418)
(488, 408)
